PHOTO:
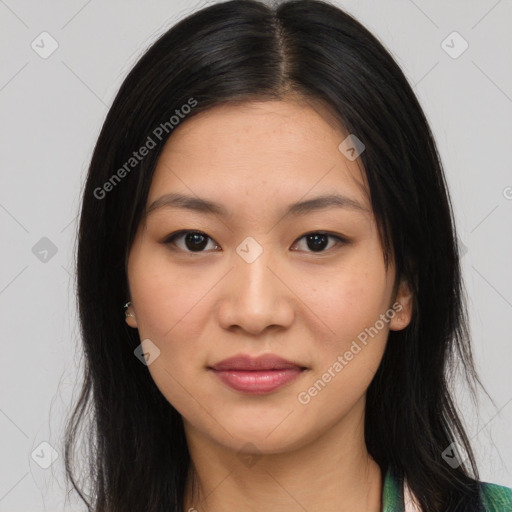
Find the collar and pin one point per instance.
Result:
(392, 493)
(495, 497)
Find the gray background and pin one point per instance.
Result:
(51, 113)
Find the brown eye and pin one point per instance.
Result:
(194, 241)
(319, 240)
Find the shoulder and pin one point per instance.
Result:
(496, 498)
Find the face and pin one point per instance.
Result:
(254, 278)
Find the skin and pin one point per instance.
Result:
(304, 305)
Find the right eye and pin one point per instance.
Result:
(195, 241)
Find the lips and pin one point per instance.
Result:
(247, 363)
(256, 375)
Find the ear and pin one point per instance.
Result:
(402, 305)
(130, 318)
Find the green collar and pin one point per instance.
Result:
(495, 498)
(392, 493)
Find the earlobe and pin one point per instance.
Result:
(403, 310)
(130, 315)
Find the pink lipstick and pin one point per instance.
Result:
(256, 375)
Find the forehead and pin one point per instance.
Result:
(281, 149)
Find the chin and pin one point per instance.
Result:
(262, 439)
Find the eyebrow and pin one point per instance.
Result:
(201, 205)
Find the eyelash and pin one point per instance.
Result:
(170, 240)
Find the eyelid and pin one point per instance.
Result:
(169, 239)
(341, 240)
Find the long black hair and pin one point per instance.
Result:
(233, 52)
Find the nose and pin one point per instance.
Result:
(256, 296)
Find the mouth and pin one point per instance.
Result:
(257, 375)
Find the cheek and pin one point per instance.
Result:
(166, 299)
(351, 300)
(346, 363)
(352, 306)
(172, 307)
(168, 309)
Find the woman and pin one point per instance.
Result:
(266, 200)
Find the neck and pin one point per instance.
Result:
(332, 473)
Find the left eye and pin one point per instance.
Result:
(319, 239)
(196, 241)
